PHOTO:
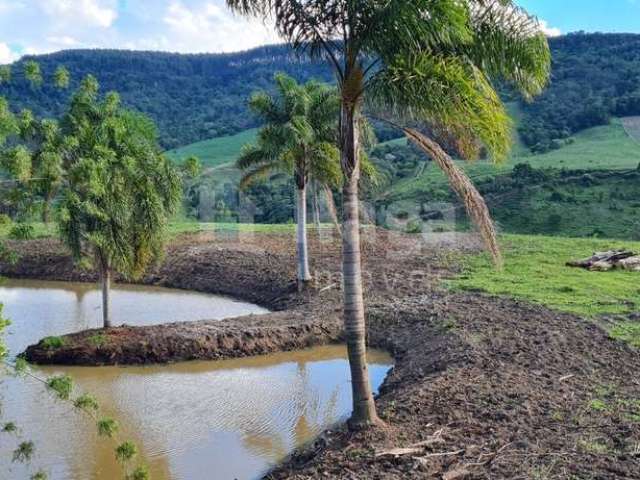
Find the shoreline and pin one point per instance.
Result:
(482, 387)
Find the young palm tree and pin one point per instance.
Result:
(298, 138)
(420, 60)
(120, 190)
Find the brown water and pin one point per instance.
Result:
(196, 420)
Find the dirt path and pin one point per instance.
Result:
(482, 387)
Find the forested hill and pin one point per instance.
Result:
(195, 97)
(191, 97)
(594, 77)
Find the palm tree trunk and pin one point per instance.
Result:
(46, 216)
(364, 409)
(105, 279)
(331, 207)
(316, 207)
(304, 276)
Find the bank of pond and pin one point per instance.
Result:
(193, 420)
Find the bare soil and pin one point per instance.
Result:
(482, 387)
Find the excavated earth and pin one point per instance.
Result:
(482, 387)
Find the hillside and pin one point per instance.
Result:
(191, 97)
(215, 151)
(198, 97)
(594, 77)
(590, 186)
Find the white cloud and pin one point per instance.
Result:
(63, 41)
(208, 27)
(549, 31)
(97, 13)
(198, 26)
(6, 54)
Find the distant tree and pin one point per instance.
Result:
(61, 77)
(120, 190)
(299, 139)
(34, 161)
(191, 167)
(5, 74)
(421, 60)
(32, 72)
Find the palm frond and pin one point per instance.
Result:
(444, 90)
(509, 44)
(462, 185)
(255, 174)
(250, 155)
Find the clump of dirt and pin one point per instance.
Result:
(482, 387)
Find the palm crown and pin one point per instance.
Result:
(424, 60)
(298, 136)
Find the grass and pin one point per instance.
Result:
(182, 227)
(98, 340)
(52, 343)
(215, 151)
(607, 147)
(535, 271)
(178, 228)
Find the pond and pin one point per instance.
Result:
(195, 420)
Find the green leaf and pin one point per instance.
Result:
(9, 427)
(24, 452)
(107, 427)
(86, 402)
(62, 385)
(140, 473)
(126, 451)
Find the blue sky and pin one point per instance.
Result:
(42, 26)
(588, 15)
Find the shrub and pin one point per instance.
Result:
(52, 343)
(97, 340)
(22, 231)
(414, 226)
(4, 219)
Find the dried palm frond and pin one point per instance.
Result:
(462, 185)
(331, 207)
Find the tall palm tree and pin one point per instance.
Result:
(419, 60)
(298, 138)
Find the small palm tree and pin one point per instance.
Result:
(298, 138)
(429, 61)
(120, 190)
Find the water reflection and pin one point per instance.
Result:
(56, 308)
(196, 420)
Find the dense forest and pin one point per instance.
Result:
(195, 97)
(594, 77)
(190, 97)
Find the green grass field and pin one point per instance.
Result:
(535, 271)
(215, 151)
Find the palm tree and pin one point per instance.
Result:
(429, 61)
(299, 138)
(120, 190)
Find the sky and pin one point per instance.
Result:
(44, 26)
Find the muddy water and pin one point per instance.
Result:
(196, 420)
